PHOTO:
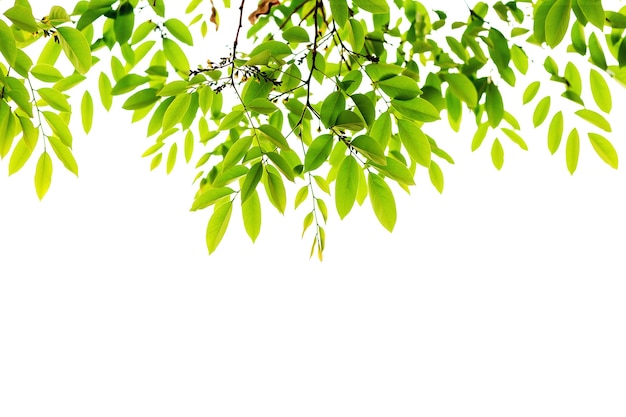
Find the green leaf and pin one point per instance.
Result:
(22, 17)
(463, 88)
(436, 176)
(210, 197)
(340, 11)
(594, 12)
(179, 30)
(218, 223)
(346, 186)
(601, 92)
(55, 99)
(318, 152)
(334, 104)
(594, 118)
(128, 83)
(369, 148)
(124, 22)
(572, 149)
(296, 34)
(141, 99)
(231, 120)
(397, 171)
(171, 158)
(237, 152)
(416, 109)
(415, 142)
(516, 138)
(372, 6)
(494, 105)
(59, 127)
(382, 200)
(275, 136)
(189, 142)
(579, 42)
(400, 87)
(142, 31)
(19, 157)
(176, 110)
(86, 111)
(497, 154)
(251, 181)
(104, 87)
(604, 149)
(557, 22)
(64, 154)
(519, 58)
(175, 56)
(349, 120)
(8, 46)
(46, 73)
(76, 48)
(251, 213)
(555, 132)
(276, 190)
(573, 78)
(595, 51)
(262, 105)
(531, 91)
(277, 49)
(366, 107)
(43, 175)
(541, 111)
(282, 165)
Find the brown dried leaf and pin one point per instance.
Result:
(264, 8)
(215, 19)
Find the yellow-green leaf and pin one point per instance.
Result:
(346, 186)
(497, 154)
(218, 223)
(55, 99)
(86, 111)
(383, 202)
(594, 118)
(76, 48)
(601, 92)
(604, 149)
(19, 157)
(572, 149)
(179, 30)
(43, 174)
(171, 158)
(436, 176)
(251, 213)
(64, 154)
(555, 132)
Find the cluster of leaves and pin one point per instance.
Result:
(334, 95)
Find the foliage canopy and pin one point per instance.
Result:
(335, 96)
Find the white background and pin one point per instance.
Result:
(502, 297)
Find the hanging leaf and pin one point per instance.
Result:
(572, 149)
(64, 154)
(541, 111)
(555, 132)
(218, 223)
(594, 118)
(600, 90)
(497, 154)
(43, 175)
(86, 111)
(76, 48)
(346, 186)
(383, 202)
(604, 149)
(251, 212)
